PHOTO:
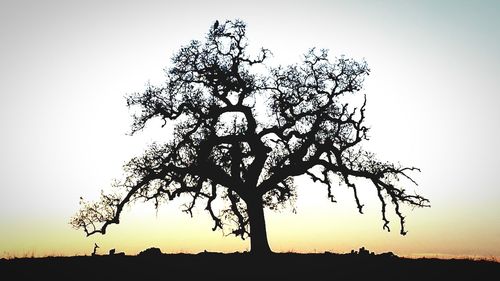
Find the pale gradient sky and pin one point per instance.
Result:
(433, 98)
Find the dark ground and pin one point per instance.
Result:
(213, 266)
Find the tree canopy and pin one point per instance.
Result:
(243, 130)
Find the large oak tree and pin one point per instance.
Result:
(244, 130)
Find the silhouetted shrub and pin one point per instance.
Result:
(151, 252)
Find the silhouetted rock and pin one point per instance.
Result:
(113, 252)
(151, 252)
(388, 255)
(364, 252)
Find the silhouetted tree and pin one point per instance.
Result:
(243, 131)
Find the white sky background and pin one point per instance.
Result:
(433, 98)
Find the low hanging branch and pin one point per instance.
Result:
(241, 137)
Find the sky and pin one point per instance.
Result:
(432, 94)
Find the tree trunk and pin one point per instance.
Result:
(258, 234)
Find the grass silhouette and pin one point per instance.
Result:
(245, 266)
